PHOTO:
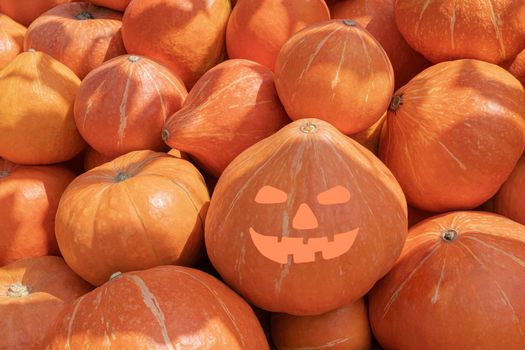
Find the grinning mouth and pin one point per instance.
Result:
(278, 251)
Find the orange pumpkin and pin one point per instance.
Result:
(93, 159)
(122, 105)
(345, 328)
(33, 292)
(36, 111)
(295, 226)
(140, 210)
(231, 107)
(11, 40)
(257, 29)
(457, 285)
(517, 66)
(371, 136)
(83, 35)
(454, 133)
(510, 200)
(377, 17)
(119, 5)
(186, 36)
(25, 11)
(168, 307)
(335, 71)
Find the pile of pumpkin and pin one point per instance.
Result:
(191, 174)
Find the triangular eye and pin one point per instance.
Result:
(270, 195)
(335, 195)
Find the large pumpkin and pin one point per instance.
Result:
(140, 210)
(36, 111)
(25, 11)
(169, 307)
(257, 29)
(122, 105)
(457, 285)
(119, 5)
(510, 200)
(295, 226)
(11, 40)
(83, 35)
(231, 107)
(454, 133)
(186, 36)
(335, 71)
(33, 292)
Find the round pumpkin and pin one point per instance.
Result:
(37, 125)
(170, 307)
(26, 11)
(510, 200)
(335, 71)
(186, 36)
(377, 17)
(231, 107)
(122, 105)
(11, 40)
(457, 285)
(454, 133)
(257, 29)
(84, 36)
(345, 328)
(119, 5)
(33, 292)
(142, 209)
(295, 226)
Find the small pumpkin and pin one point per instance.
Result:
(119, 5)
(12, 40)
(26, 11)
(510, 200)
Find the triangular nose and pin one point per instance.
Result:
(305, 218)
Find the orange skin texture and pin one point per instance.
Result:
(26, 319)
(11, 39)
(446, 30)
(119, 5)
(345, 328)
(457, 135)
(233, 106)
(29, 197)
(370, 137)
(335, 72)
(153, 217)
(461, 294)
(517, 67)
(93, 159)
(122, 105)
(163, 307)
(82, 45)
(257, 29)
(510, 200)
(51, 88)
(26, 11)
(303, 165)
(377, 17)
(191, 47)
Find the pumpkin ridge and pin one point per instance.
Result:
(72, 319)
(497, 249)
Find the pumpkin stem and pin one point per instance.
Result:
(395, 103)
(4, 173)
(165, 134)
(121, 176)
(308, 128)
(31, 50)
(349, 22)
(115, 275)
(450, 235)
(84, 15)
(18, 290)
(133, 58)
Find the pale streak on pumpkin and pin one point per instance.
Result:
(435, 297)
(497, 29)
(122, 109)
(371, 71)
(454, 157)
(67, 346)
(423, 9)
(154, 83)
(90, 104)
(175, 85)
(336, 79)
(452, 25)
(327, 345)
(499, 250)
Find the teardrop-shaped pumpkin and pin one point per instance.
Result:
(231, 107)
(119, 5)
(510, 200)
(11, 40)
(26, 11)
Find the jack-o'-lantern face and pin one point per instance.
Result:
(278, 248)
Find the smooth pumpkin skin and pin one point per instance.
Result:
(119, 5)
(164, 307)
(186, 36)
(456, 136)
(371, 136)
(257, 29)
(51, 88)
(304, 159)
(11, 39)
(346, 328)
(465, 293)
(516, 66)
(509, 201)
(26, 11)
(45, 286)
(142, 209)
(233, 106)
(122, 105)
(335, 71)
(84, 35)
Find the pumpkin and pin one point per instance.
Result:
(445, 30)
(142, 209)
(454, 133)
(25, 11)
(33, 292)
(122, 105)
(171, 307)
(231, 107)
(38, 93)
(257, 29)
(93, 159)
(295, 226)
(457, 285)
(84, 35)
(335, 71)
(186, 36)
(371, 136)
(345, 328)
(509, 201)
(377, 17)
(516, 66)
(119, 5)
(11, 40)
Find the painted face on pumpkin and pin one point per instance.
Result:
(304, 218)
